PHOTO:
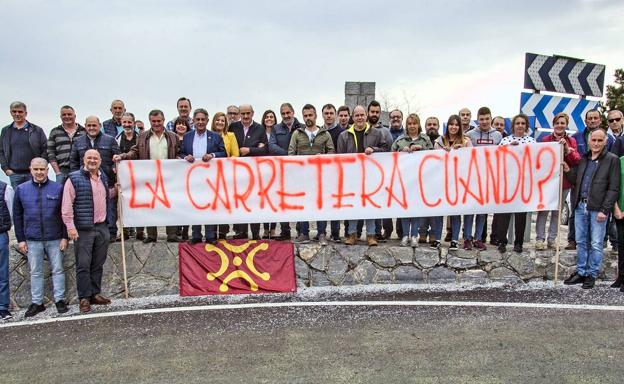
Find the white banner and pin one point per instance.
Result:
(337, 187)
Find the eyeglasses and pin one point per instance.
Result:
(395, 117)
(617, 119)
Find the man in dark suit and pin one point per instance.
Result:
(202, 144)
(252, 141)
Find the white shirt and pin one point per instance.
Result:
(200, 144)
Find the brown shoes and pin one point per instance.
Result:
(371, 240)
(99, 300)
(85, 305)
(351, 239)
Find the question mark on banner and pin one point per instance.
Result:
(541, 182)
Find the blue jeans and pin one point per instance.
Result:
(36, 250)
(321, 227)
(435, 222)
(590, 235)
(455, 227)
(4, 271)
(468, 220)
(19, 178)
(370, 226)
(410, 226)
(197, 234)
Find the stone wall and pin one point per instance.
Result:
(153, 268)
(359, 93)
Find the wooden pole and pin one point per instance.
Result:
(123, 247)
(557, 248)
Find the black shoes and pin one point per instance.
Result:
(34, 309)
(148, 240)
(589, 282)
(61, 306)
(173, 239)
(618, 282)
(575, 278)
(517, 248)
(5, 314)
(194, 241)
(240, 236)
(502, 248)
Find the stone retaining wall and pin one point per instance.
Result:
(153, 268)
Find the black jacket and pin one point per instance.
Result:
(36, 137)
(255, 136)
(104, 144)
(604, 188)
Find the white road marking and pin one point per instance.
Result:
(219, 307)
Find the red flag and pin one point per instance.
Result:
(237, 266)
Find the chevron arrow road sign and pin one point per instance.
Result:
(545, 107)
(563, 75)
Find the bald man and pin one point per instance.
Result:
(361, 138)
(107, 147)
(252, 141)
(84, 212)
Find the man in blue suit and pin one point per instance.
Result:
(202, 144)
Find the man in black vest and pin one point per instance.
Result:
(6, 204)
(252, 141)
(85, 200)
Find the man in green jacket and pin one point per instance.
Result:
(311, 140)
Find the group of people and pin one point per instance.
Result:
(81, 204)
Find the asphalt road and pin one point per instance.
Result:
(337, 344)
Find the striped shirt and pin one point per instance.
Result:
(60, 145)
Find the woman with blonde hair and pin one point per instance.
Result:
(219, 125)
(414, 139)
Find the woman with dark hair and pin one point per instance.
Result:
(269, 120)
(219, 125)
(180, 127)
(572, 158)
(414, 139)
(519, 135)
(453, 139)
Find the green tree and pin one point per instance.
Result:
(615, 96)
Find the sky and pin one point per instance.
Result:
(429, 57)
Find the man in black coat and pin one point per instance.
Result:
(252, 141)
(596, 189)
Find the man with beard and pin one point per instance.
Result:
(344, 117)
(334, 129)
(431, 226)
(279, 142)
(361, 138)
(374, 116)
(311, 140)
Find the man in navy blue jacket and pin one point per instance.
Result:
(107, 146)
(40, 231)
(205, 145)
